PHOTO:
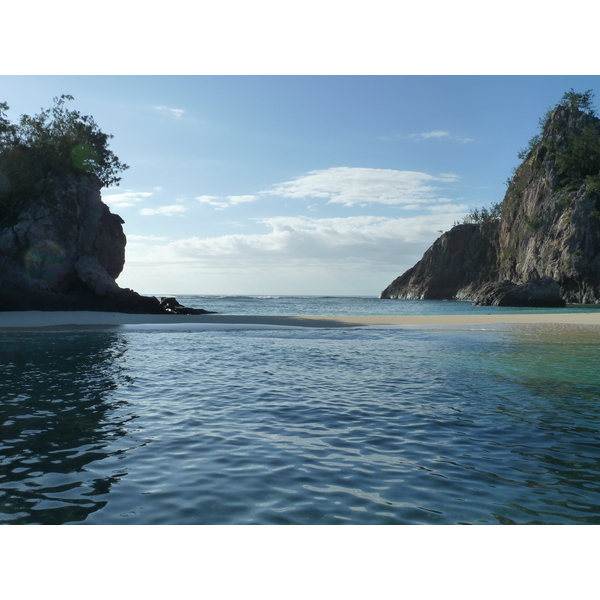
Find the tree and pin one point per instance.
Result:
(581, 101)
(52, 143)
(572, 99)
(579, 160)
(484, 215)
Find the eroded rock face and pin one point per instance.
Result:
(459, 258)
(62, 249)
(548, 231)
(541, 293)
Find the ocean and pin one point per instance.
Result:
(184, 425)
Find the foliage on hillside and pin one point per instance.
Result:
(49, 145)
(576, 152)
(483, 215)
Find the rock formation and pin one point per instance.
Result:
(62, 249)
(543, 292)
(548, 231)
(60, 246)
(461, 258)
(172, 306)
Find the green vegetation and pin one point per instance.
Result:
(582, 102)
(534, 224)
(578, 160)
(483, 215)
(531, 145)
(49, 145)
(577, 156)
(574, 151)
(507, 255)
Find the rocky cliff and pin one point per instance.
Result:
(548, 232)
(459, 259)
(62, 249)
(60, 246)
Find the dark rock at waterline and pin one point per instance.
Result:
(18, 293)
(172, 306)
(61, 249)
(540, 293)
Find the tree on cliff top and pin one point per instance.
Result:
(582, 102)
(572, 144)
(579, 101)
(51, 144)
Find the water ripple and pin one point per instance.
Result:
(290, 427)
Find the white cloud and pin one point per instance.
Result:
(448, 208)
(428, 135)
(299, 255)
(350, 186)
(176, 113)
(241, 199)
(125, 199)
(167, 211)
(221, 202)
(449, 177)
(368, 241)
(207, 199)
(432, 135)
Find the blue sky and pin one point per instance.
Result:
(297, 184)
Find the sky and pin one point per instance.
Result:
(293, 184)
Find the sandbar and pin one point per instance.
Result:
(31, 320)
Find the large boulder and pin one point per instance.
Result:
(541, 293)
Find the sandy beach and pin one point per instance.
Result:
(61, 320)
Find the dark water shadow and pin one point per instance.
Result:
(55, 402)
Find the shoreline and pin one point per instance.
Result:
(42, 320)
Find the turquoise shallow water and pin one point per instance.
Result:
(142, 425)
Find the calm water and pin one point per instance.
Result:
(185, 425)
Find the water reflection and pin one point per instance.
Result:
(55, 402)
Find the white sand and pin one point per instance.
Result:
(62, 320)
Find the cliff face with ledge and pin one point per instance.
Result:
(62, 249)
(548, 232)
(460, 258)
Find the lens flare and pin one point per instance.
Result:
(47, 261)
(84, 157)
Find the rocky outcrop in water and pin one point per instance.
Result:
(548, 230)
(172, 306)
